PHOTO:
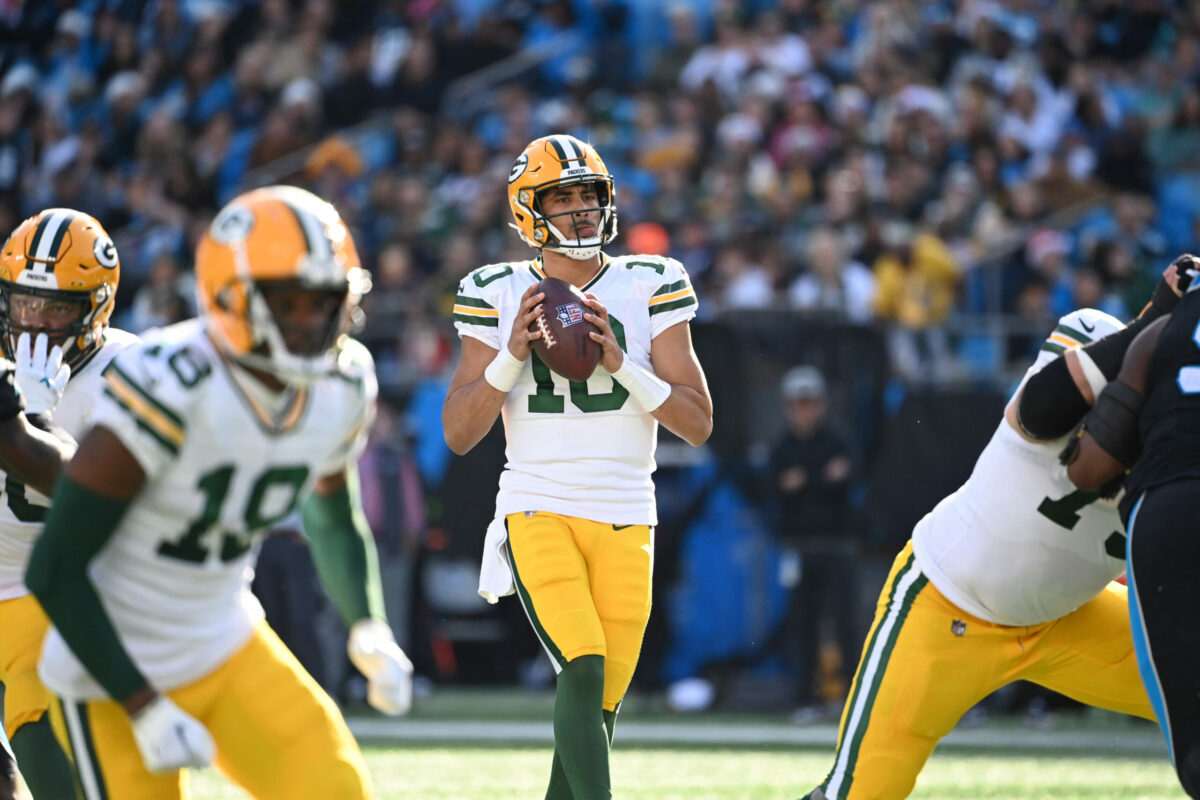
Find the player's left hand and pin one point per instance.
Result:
(41, 374)
(373, 650)
(612, 356)
(1181, 271)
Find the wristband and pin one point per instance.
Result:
(504, 370)
(649, 390)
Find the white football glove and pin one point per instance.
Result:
(41, 374)
(169, 738)
(373, 649)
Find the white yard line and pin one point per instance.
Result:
(1140, 741)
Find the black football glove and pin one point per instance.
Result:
(11, 401)
(1164, 298)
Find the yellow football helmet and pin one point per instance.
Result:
(59, 256)
(559, 160)
(278, 237)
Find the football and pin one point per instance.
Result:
(565, 346)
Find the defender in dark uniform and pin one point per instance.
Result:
(1150, 418)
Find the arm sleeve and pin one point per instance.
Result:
(358, 367)
(79, 524)
(674, 299)
(343, 551)
(1051, 404)
(144, 403)
(475, 312)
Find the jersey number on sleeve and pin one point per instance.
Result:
(1064, 512)
(215, 486)
(545, 401)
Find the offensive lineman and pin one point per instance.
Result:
(59, 273)
(575, 515)
(205, 434)
(1009, 578)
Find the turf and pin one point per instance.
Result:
(469, 773)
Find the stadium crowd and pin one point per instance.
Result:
(902, 164)
(891, 161)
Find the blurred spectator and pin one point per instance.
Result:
(916, 278)
(833, 283)
(164, 298)
(810, 470)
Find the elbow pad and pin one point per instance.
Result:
(1113, 422)
(1050, 404)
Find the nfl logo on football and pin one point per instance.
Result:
(570, 314)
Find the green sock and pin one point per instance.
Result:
(43, 765)
(610, 723)
(560, 787)
(580, 735)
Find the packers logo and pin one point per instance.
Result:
(518, 167)
(105, 252)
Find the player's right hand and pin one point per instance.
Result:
(169, 738)
(41, 374)
(519, 341)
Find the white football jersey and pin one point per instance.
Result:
(1018, 543)
(584, 449)
(221, 469)
(23, 509)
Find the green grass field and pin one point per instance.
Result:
(494, 744)
(472, 773)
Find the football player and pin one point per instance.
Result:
(575, 515)
(59, 273)
(1009, 578)
(203, 436)
(1149, 419)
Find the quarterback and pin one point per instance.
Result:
(574, 530)
(1009, 578)
(59, 273)
(203, 435)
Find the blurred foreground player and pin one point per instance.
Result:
(206, 434)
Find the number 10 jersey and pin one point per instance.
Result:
(580, 448)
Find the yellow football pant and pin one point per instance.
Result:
(586, 588)
(926, 663)
(23, 625)
(278, 734)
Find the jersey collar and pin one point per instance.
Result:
(538, 269)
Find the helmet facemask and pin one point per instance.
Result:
(78, 338)
(578, 247)
(298, 354)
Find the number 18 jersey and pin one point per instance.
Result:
(221, 468)
(580, 448)
(22, 509)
